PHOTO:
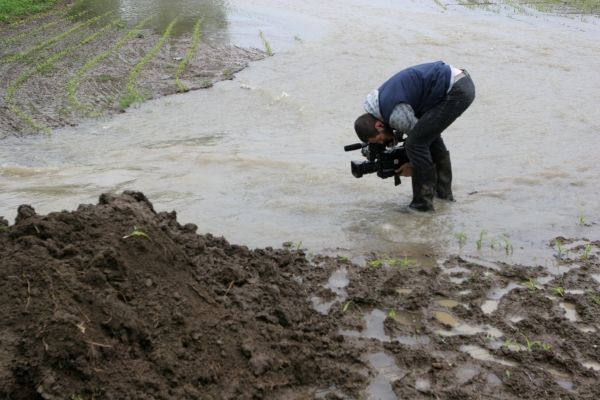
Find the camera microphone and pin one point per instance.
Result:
(354, 146)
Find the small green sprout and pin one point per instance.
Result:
(392, 313)
(528, 343)
(507, 373)
(559, 291)
(375, 263)
(560, 250)
(137, 232)
(530, 284)
(266, 43)
(594, 297)
(479, 241)
(462, 239)
(545, 346)
(586, 251)
(343, 259)
(508, 247)
(346, 305)
(582, 221)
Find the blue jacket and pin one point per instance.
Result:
(422, 86)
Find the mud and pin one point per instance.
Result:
(116, 300)
(38, 72)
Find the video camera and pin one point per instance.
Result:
(380, 158)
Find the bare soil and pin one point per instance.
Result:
(41, 101)
(93, 311)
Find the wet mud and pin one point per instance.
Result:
(116, 300)
(46, 84)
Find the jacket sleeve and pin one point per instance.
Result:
(403, 118)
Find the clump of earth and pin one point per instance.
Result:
(116, 300)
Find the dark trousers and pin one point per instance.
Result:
(424, 143)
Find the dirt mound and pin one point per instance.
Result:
(117, 301)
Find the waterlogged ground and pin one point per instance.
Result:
(116, 300)
(65, 66)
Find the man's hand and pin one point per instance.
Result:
(405, 169)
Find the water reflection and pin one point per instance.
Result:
(187, 12)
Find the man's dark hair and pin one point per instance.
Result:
(365, 127)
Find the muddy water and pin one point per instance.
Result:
(260, 159)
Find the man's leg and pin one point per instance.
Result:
(427, 131)
(443, 169)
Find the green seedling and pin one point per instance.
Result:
(594, 297)
(462, 239)
(545, 346)
(586, 251)
(560, 250)
(559, 291)
(266, 43)
(137, 233)
(479, 241)
(508, 247)
(530, 284)
(392, 313)
(510, 344)
(132, 95)
(346, 305)
(507, 374)
(343, 259)
(375, 263)
(528, 343)
(189, 55)
(581, 218)
(299, 246)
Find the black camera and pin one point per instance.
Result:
(380, 159)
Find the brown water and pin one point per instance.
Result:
(259, 159)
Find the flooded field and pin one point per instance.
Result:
(494, 296)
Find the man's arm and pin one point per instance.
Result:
(403, 118)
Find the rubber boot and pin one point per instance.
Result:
(423, 186)
(443, 186)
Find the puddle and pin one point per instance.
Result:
(374, 329)
(464, 292)
(586, 329)
(447, 303)
(462, 329)
(592, 365)
(337, 283)
(465, 373)
(456, 280)
(596, 277)
(481, 263)
(570, 311)
(493, 380)
(575, 291)
(446, 319)
(489, 306)
(380, 388)
(479, 353)
(468, 330)
(562, 379)
(497, 293)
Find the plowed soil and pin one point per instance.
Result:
(40, 56)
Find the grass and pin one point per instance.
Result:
(462, 239)
(188, 56)
(74, 82)
(530, 284)
(132, 95)
(559, 291)
(14, 10)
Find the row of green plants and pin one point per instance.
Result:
(132, 95)
(74, 82)
(44, 66)
(33, 50)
